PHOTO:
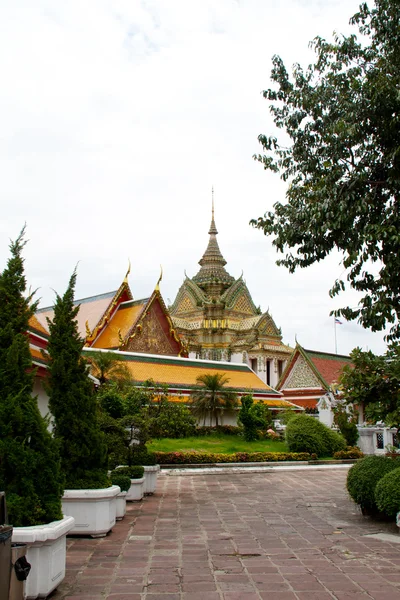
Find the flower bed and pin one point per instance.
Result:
(191, 458)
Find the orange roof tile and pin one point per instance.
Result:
(122, 320)
(183, 372)
(37, 355)
(37, 327)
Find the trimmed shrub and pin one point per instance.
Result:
(387, 492)
(363, 477)
(124, 481)
(307, 434)
(193, 458)
(140, 455)
(133, 472)
(350, 452)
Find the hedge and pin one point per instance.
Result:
(307, 434)
(363, 477)
(387, 493)
(192, 458)
(350, 452)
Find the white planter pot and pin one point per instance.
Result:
(135, 492)
(94, 511)
(150, 478)
(46, 552)
(121, 505)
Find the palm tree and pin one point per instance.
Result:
(107, 366)
(211, 397)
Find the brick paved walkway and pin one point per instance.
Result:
(281, 536)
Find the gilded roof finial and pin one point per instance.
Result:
(213, 228)
(128, 271)
(88, 330)
(159, 279)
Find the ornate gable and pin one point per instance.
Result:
(189, 298)
(301, 375)
(237, 298)
(185, 305)
(266, 326)
(153, 332)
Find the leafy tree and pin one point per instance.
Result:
(375, 383)
(107, 366)
(342, 115)
(171, 420)
(72, 400)
(346, 421)
(29, 460)
(211, 397)
(253, 417)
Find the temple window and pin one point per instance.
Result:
(253, 364)
(280, 368)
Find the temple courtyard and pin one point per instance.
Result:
(282, 535)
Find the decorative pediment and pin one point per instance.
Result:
(301, 376)
(189, 297)
(237, 298)
(266, 326)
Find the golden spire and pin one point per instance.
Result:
(128, 271)
(159, 279)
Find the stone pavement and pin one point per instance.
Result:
(274, 535)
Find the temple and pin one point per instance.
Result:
(217, 320)
(115, 321)
(309, 375)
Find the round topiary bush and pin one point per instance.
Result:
(133, 472)
(307, 434)
(363, 477)
(387, 492)
(123, 481)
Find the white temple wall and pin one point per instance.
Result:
(42, 398)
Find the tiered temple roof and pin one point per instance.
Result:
(213, 311)
(115, 320)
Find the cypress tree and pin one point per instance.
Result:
(72, 400)
(29, 460)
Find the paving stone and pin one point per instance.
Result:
(286, 535)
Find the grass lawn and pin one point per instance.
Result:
(226, 444)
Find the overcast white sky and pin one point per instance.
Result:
(117, 118)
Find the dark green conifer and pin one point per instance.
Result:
(72, 400)
(29, 460)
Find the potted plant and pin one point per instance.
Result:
(89, 495)
(140, 455)
(124, 483)
(135, 473)
(29, 460)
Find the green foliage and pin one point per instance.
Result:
(375, 382)
(253, 417)
(363, 477)
(342, 115)
(171, 420)
(140, 455)
(72, 400)
(29, 460)
(107, 367)
(287, 415)
(307, 434)
(346, 423)
(221, 429)
(387, 492)
(123, 481)
(191, 458)
(117, 439)
(349, 453)
(111, 400)
(212, 398)
(133, 471)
